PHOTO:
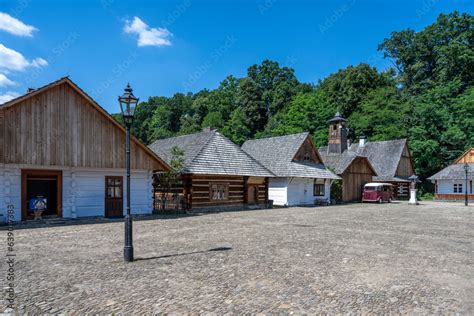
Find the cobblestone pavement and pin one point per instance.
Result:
(354, 258)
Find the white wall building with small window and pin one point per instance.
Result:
(453, 183)
(302, 178)
(59, 147)
(298, 191)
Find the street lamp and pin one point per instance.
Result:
(466, 198)
(128, 103)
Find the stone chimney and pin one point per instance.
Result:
(362, 140)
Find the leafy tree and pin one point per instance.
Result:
(383, 114)
(250, 101)
(440, 53)
(278, 84)
(347, 87)
(236, 129)
(169, 184)
(213, 120)
(189, 124)
(307, 112)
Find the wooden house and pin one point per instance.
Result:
(301, 176)
(383, 161)
(218, 174)
(57, 143)
(450, 183)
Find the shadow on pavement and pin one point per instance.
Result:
(185, 254)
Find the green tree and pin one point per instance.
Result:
(384, 114)
(347, 87)
(250, 101)
(278, 84)
(441, 52)
(213, 120)
(307, 112)
(236, 129)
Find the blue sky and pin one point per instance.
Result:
(164, 47)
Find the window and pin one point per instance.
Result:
(307, 156)
(457, 188)
(218, 191)
(114, 187)
(318, 187)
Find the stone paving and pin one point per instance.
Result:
(362, 258)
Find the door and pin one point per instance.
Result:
(252, 191)
(113, 196)
(41, 184)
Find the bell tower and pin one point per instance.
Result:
(337, 134)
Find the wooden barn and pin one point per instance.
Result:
(301, 176)
(354, 170)
(57, 143)
(218, 175)
(363, 162)
(450, 183)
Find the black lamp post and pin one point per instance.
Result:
(128, 103)
(466, 198)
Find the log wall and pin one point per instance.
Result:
(198, 187)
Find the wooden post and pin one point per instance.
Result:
(246, 193)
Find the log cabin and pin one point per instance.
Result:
(450, 183)
(385, 161)
(57, 143)
(301, 176)
(217, 174)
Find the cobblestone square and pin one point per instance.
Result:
(365, 258)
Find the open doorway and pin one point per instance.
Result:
(45, 185)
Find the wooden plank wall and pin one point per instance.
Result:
(307, 148)
(405, 166)
(200, 187)
(354, 179)
(467, 157)
(59, 127)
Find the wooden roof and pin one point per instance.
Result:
(278, 155)
(210, 152)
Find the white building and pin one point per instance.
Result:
(301, 177)
(57, 143)
(450, 183)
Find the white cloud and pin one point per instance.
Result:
(7, 96)
(14, 61)
(5, 82)
(147, 36)
(14, 26)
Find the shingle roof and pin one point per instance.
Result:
(277, 154)
(338, 162)
(453, 172)
(384, 156)
(209, 152)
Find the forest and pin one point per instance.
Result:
(426, 96)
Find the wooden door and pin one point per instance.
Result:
(252, 191)
(113, 196)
